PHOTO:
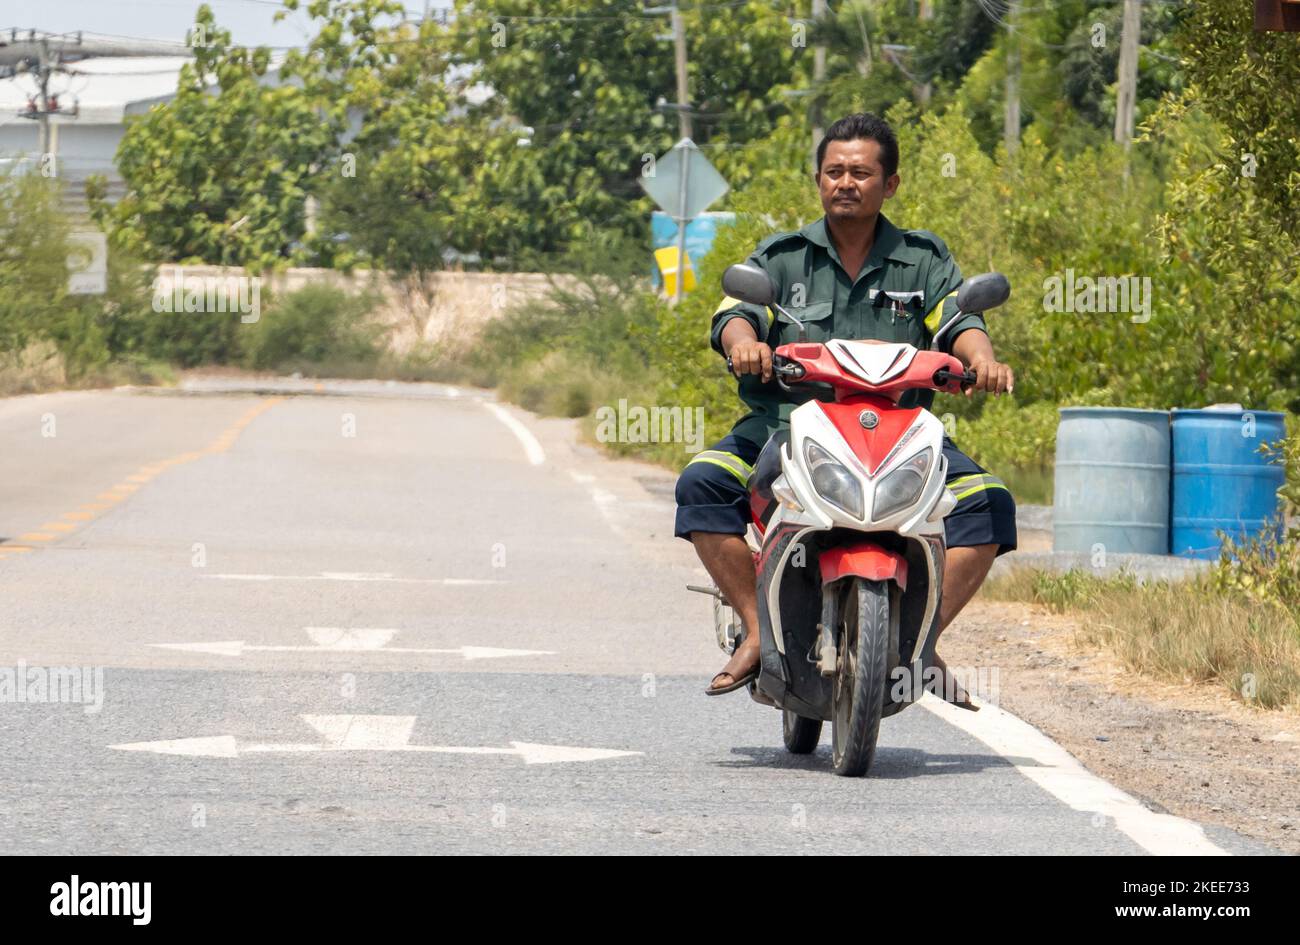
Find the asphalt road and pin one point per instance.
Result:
(407, 619)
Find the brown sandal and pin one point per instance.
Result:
(739, 683)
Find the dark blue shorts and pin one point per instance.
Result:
(712, 496)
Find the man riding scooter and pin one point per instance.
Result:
(852, 275)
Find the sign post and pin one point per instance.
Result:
(684, 183)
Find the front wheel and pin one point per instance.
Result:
(802, 735)
(861, 675)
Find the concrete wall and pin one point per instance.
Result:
(447, 311)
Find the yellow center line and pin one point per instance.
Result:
(122, 490)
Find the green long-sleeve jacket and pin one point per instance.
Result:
(906, 291)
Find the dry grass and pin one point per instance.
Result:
(1186, 632)
(38, 367)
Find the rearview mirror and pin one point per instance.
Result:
(748, 284)
(982, 292)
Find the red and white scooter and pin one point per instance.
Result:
(849, 503)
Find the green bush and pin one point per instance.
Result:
(588, 336)
(318, 329)
(186, 339)
(1267, 567)
(89, 332)
(33, 253)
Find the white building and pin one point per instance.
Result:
(104, 92)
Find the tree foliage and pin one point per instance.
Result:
(1249, 83)
(222, 176)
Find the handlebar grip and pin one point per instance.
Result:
(943, 377)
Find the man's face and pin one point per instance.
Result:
(852, 181)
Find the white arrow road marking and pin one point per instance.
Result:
(346, 640)
(348, 576)
(366, 733)
(1056, 771)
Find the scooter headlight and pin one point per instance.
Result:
(832, 480)
(903, 486)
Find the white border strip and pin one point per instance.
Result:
(532, 449)
(1056, 771)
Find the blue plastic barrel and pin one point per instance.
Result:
(1112, 481)
(1221, 480)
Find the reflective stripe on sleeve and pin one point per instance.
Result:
(977, 483)
(726, 303)
(728, 461)
(933, 320)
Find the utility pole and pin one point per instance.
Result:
(922, 90)
(1011, 115)
(43, 82)
(685, 128)
(683, 91)
(685, 131)
(818, 76)
(1126, 96)
(43, 55)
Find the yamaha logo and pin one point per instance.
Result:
(868, 419)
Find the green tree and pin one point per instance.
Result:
(1069, 53)
(220, 178)
(585, 84)
(1249, 83)
(387, 191)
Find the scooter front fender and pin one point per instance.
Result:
(864, 560)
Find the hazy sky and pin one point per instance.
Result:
(250, 21)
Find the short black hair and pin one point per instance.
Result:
(865, 126)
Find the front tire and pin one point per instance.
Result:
(802, 735)
(861, 676)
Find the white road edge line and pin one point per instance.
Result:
(360, 578)
(1056, 771)
(532, 449)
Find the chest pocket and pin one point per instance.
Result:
(896, 316)
(816, 316)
